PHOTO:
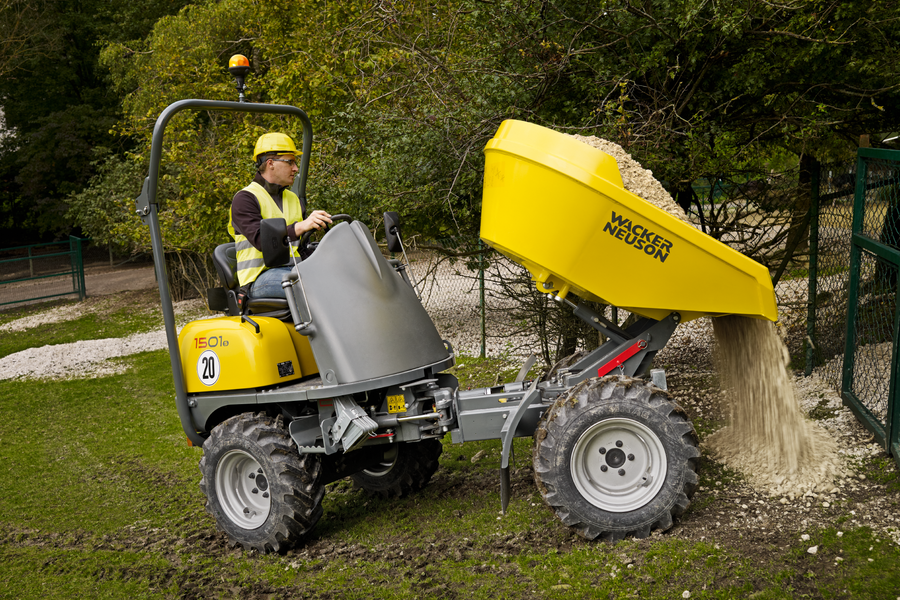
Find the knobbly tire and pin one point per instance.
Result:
(409, 470)
(263, 494)
(615, 457)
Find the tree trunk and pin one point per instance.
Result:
(797, 238)
(684, 197)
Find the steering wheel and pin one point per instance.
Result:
(304, 249)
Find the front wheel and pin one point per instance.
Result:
(615, 457)
(263, 494)
(407, 467)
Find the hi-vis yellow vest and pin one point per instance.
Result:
(250, 260)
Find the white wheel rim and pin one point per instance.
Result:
(634, 459)
(242, 489)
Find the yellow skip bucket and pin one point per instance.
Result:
(557, 206)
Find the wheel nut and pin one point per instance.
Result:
(265, 494)
(618, 443)
(604, 468)
(254, 491)
(621, 471)
(259, 471)
(602, 450)
(631, 457)
(252, 475)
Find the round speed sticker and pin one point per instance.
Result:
(208, 368)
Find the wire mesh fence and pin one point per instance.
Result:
(876, 310)
(869, 365)
(829, 273)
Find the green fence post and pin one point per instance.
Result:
(893, 414)
(77, 267)
(73, 266)
(481, 294)
(812, 291)
(859, 199)
(30, 263)
(81, 266)
(892, 418)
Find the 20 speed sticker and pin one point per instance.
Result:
(208, 368)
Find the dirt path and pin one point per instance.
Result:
(105, 280)
(99, 280)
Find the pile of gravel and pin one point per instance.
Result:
(636, 179)
(768, 438)
(63, 313)
(84, 358)
(78, 360)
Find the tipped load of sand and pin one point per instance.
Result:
(769, 439)
(636, 179)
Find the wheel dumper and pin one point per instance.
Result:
(345, 377)
(612, 455)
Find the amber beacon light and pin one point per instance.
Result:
(239, 66)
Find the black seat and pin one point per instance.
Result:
(225, 261)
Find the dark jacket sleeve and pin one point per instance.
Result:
(245, 216)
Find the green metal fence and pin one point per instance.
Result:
(42, 271)
(830, 241)
(870, 365)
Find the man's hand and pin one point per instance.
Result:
(317, 220)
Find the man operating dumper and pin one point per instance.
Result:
(268, 197)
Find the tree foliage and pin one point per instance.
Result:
(404, 95)
(402, 100)
(25, 37)
(57, 103)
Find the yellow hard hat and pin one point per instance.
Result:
(274, 142)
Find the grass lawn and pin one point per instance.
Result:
(100, 500)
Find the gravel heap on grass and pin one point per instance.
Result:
(81, 359)
(58, 315)
(84, 358)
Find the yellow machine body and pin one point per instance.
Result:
(557, 206)
(223, 354)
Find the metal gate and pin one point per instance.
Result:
(42, 271)
(869, 378)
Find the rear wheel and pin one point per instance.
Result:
(406, 468)
(615, 457)
(263, 494)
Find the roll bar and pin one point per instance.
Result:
(148, 209)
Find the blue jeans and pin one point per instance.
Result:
(268, 284)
